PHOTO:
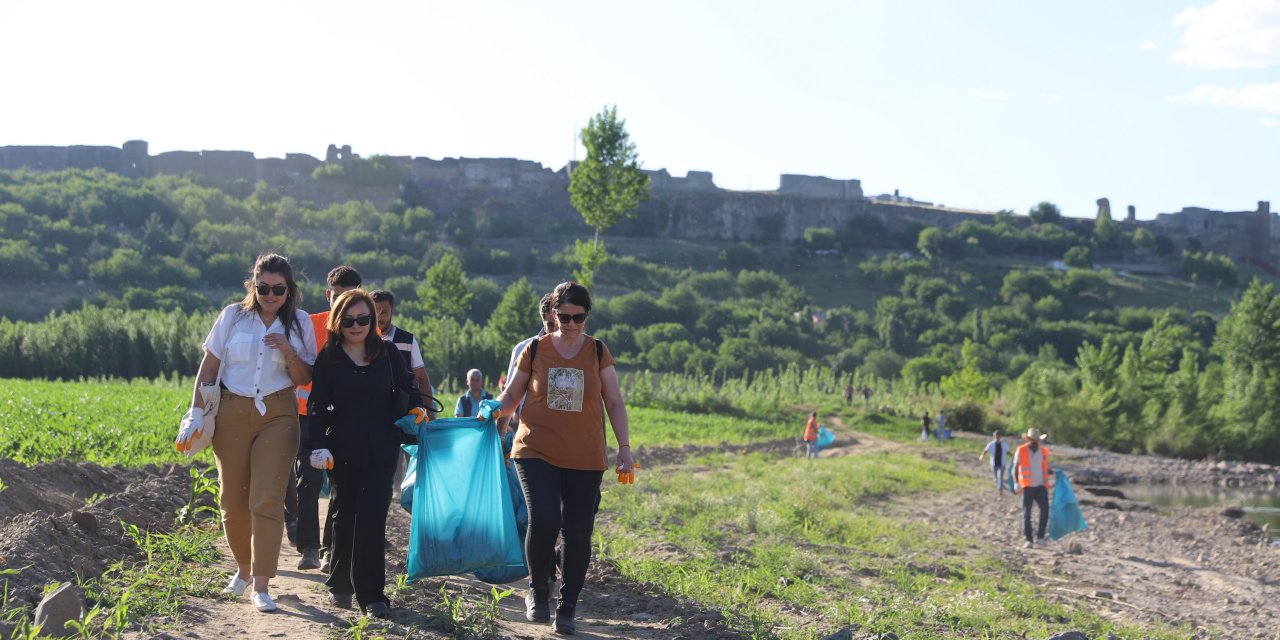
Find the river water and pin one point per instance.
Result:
(1260, 506)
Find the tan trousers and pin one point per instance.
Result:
(254, 453)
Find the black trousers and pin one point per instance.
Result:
(357, 556)
(1037, 496)
(302, 504)
(561, 502)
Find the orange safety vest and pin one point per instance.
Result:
(319, 322)
(1024, 465)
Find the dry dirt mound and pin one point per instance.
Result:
(56, 537)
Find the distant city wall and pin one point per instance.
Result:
(686, 207)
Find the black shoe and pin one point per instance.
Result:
(378, 610)
(537, 607)
(340, 600)
(564, 624)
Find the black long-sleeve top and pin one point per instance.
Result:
(352, 406)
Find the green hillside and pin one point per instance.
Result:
(107, 276)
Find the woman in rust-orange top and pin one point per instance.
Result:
(568, 381)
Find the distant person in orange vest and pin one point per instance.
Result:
(811, 437)
(1031, 463)
(302, 512)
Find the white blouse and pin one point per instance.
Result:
(249, 367)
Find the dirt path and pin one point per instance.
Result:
(611, 607)
(1134, 563)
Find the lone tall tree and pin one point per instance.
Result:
(607, 186)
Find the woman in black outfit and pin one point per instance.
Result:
(352, 401)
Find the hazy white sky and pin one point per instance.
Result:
(987, 105)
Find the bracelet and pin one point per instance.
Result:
(624, 445)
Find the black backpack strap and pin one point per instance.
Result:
(599, 351)
(466, 405)
(533, 352)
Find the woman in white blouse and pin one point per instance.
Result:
(265, 345)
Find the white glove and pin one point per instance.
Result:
(321, 459)
(190, 429)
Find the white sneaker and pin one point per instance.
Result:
(263, 602)
(1027, 545)
(236, 587)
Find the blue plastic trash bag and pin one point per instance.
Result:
(410, 476)
(462, 503)
(500, 575)
(1064, 513)
(1009, 473)
(825, 438)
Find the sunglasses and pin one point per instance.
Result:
(577, 318)
(279, 289)
(348, 322)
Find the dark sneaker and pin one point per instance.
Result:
(564, 623)
(378, 610)
(310, 559)
(537, 608)
(340, 600)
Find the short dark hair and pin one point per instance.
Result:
(571, 293)
(544, 306)
(382, 295)
(344, 276)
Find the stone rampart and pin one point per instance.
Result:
(691, 206)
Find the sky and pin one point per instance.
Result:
(984, 105)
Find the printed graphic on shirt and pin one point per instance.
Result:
(564, 389)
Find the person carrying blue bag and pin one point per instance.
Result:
(463, 511)
(1064, 515)
(361, 387)
(569, 382)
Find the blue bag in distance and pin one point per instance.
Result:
(825, 438)
(462, 504)
(1064, 513)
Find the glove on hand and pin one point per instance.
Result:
(321, 459)
(190, 429)
(489, 409)
(420, 413)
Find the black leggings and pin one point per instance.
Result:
(561, 501)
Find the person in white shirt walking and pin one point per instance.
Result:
(999, 458)
(264, 346)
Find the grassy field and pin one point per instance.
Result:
(107, 422)
(794, 550)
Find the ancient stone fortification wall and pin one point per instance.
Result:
(531, 194)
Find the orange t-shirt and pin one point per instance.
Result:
(562, 421)
(811, 429)
(320, 322)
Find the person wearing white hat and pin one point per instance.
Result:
(1034, 481)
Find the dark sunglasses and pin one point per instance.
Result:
(279, 289)
(364, 320)
(577, 318)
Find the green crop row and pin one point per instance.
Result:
(104, 421)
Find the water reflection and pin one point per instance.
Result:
(1262, 507)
